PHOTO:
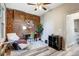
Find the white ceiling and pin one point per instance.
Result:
(30, 9)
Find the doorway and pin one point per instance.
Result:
(72, 29)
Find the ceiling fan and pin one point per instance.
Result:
(39, 5)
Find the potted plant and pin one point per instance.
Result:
(39, 30)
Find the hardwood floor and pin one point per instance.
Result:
(47, 51)
(72, 51)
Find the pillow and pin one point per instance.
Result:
(12, 37)
(23, 46)
(22, 41)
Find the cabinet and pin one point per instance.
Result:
(56, 42)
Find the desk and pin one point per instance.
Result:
(36, 36)
(26, 36)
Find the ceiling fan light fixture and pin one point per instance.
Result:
(39, 6)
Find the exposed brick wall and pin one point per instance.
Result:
(16, 18)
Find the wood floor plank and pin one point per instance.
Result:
(47, 51)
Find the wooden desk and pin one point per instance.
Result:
(27, 36)
(36, 36)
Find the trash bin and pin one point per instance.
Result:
(46, 41)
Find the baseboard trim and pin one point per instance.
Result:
(70, 45)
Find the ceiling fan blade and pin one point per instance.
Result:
(46, 3)
(35, 9)
(44, 8)
(30, 4)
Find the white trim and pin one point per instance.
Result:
(70, 45)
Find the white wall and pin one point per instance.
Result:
(48, 26)
(54, 21)
(70, 34)
(2, 20)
